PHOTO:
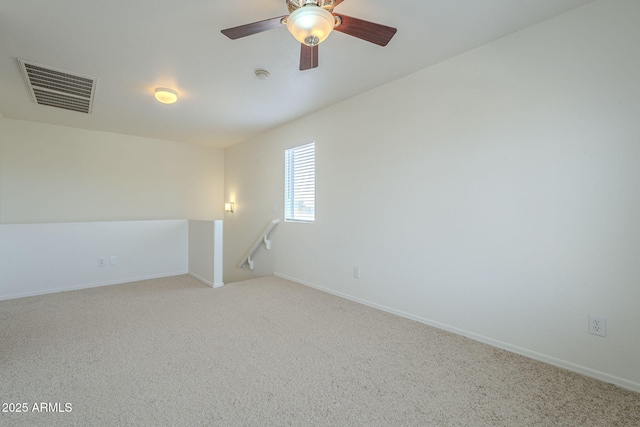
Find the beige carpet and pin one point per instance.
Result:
(268, 352)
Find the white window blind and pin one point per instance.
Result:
(300, 183)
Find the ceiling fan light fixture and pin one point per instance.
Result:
(166, 96)
(311, 24)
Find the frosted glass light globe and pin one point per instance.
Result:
(310, 25)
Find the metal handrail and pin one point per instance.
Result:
(264, 238)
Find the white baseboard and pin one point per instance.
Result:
(90, 285)
(602, 376)
(207, 282)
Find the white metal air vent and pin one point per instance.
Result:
(57, 88)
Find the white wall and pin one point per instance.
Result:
(205, 252)
(59, 174)
(69, 196)
(495, 194)
(1, 163)
(44, 258)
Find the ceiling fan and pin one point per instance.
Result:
(311, 22)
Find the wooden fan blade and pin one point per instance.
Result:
(337, 2)
(365, 30)
(308, 57)
(253, 28)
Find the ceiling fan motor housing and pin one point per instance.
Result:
(297, 4)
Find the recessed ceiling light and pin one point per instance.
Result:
(166, 96)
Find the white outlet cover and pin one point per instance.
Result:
(598, 326)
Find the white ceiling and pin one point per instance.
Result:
(132, 47)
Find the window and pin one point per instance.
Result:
(300, 183)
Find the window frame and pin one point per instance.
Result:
(304, 150)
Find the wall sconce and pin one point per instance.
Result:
(229, 207)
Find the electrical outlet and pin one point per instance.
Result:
(356, 272)
(598, 326)
(101, 261)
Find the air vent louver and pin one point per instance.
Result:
(59, 89)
